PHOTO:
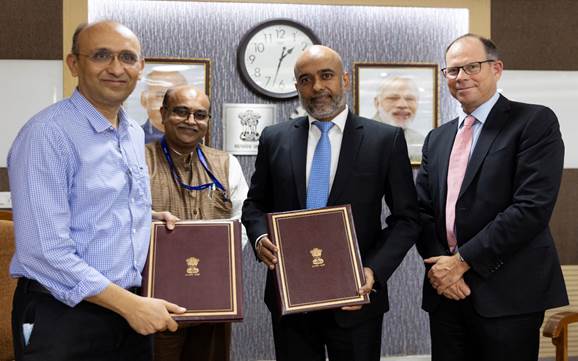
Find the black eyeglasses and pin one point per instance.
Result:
(105, 56)
(452, 72)
(184, 113)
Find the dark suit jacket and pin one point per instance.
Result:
(502, 212)
(373, 163)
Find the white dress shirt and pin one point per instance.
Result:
(237, 192)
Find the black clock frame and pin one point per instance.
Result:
(243, 47)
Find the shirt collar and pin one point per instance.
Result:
(98, 122)
(339, 119)
(480, 113)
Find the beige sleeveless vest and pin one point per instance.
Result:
(168, 195)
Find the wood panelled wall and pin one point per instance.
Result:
(536, 34)
(31, 29)
(4, 180)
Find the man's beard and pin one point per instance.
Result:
(326, 110)
(388, 118)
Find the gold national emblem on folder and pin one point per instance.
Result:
(317, 260)
(197, 265)
(192, 269)
(319, 265)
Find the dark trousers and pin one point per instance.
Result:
(305, 337)
(459, 333)
(201, 342)
(85, 332)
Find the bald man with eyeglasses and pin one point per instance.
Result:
(82, 215)
(487, 186)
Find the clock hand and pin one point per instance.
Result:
(287, 53)
(279, 64)
(283, 55)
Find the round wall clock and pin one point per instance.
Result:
(267, 54)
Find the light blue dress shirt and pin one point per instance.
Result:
(481, 114)
(81, 200)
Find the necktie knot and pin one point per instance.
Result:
(469, 121)
(324, 127)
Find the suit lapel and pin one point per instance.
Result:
(443, 162)
(491, 129)
(300, 133)
(352, 137)
(444, 159)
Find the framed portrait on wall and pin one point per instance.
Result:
(159, 74)
(401, 94)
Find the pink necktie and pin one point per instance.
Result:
(456, 171)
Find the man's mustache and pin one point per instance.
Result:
(321, 95)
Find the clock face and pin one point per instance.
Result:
(267, 56)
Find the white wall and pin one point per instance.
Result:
(555, 89)
(28, 86)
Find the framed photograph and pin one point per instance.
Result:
(243, 125)
(404, 95)
(159, 74)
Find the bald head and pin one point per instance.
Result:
(321, 82)
(185, 115)
(319, 53)
(185, 91)
(87, 29)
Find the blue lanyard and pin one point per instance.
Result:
(177, 177)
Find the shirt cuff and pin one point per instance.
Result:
(88, 287)
(259, 239)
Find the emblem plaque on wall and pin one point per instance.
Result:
(243, 125)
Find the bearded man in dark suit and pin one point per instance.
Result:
(369, 161)
(487, 186)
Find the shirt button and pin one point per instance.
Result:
(133, 231)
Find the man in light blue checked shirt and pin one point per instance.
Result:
(82, 213)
